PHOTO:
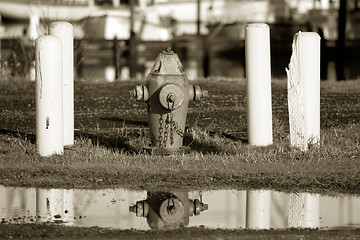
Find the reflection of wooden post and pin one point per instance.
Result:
(304, 210)
(340, 44)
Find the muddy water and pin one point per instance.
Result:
(227, 209)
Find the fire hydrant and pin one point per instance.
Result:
(167, 93)
(168, 210)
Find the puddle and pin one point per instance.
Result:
(226, 209)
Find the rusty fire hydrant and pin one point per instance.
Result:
(167, 93)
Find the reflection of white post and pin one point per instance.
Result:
(312, 211)
(304, 90)
(69, 206)
(49, 205)
(64, 31)
(304, 210)
(258, 209)
(258, 76)
(49, 108)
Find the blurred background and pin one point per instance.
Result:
(120, 39)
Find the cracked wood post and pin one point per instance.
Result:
(258, 79)
(304, 90)
(49, 94)
(64, 31)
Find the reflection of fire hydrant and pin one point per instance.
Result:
(165, 210)
(167, 93)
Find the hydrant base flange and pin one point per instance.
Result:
(166, 151)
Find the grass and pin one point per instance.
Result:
(111, 131)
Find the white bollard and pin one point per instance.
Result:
(304, 90)
(64, 31)
(258, 209)
(258, 76)
(49, 108)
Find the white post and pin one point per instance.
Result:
(304, 90)
(49, 108)
(258, 76)
(64, 31)
(258, 209)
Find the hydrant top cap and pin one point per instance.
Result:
(167, 63)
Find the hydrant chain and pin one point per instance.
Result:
(166, 133)
(176, 126)
(161, 132)
(171, 129)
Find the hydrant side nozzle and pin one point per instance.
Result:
(141, 208)
(171, 96)
(196, 93)
(140, 92)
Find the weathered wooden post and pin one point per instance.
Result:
(49, 94)
(258, 78)
(64, 31)
(304, 90)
